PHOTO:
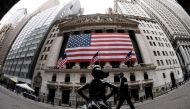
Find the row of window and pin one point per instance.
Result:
(153, 32)
(149, 25)
(46, 49)
(168, 62)
(160, 44)
(43, 57)
(164, 53)
(157, 38)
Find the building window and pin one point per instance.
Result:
(147, 31)
(170, 62)
(144, 31)
(48, 49)
(162, 62)
(158, 53)
(151, 38)
(154, 53)
(154, 43)
(116, 78)
(158, 62)
(54, 77)
(132, 77)
(163, 53)
(164, 75)
(45, 57)
(82, 79)
(147, 37)
(145, 76)
(167, 62)
(41, 57)
(67, 78)
(51, 41)
(47, 42)
(150, 43)
(44, 49)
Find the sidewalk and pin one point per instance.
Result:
(49, 106)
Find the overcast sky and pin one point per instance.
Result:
(90, 6)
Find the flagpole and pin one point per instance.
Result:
(99, 59)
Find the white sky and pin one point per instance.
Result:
(90, 6)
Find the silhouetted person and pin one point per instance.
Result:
(97, 89)
(124, 95)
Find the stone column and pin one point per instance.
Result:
(144, 49)
(57, 99)
(188, 50)
(55, 50)
(73, 98)
(183, 54)
(187, 53)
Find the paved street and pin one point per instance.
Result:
(176, 99)
(9, 100)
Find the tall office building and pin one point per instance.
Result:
(21, 59)
(174, 21)
(16, 17)
(154, 45)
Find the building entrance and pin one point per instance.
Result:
(51, 95)
(148, 92)
(135, 94)
(173, 80)
(65, 96)
(36, 89)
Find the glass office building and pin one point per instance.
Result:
(23, 54)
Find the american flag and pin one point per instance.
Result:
(62, 60)
(111, 47)
(94, 58)
(128, 57)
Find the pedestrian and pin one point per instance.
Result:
(124, 94)
(97, 90)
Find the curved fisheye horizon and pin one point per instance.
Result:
(99, 6)
(95, 54)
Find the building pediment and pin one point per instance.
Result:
(96, 20)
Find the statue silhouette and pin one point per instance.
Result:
(97, 90)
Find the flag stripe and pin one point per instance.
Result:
(92, 52)
(111, 40)
(102, 60)
(111, 45)
(102, 54)
(105, 49)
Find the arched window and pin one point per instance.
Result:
(54, 77)
(67, 78)
(132, 77)
(145, 75)
(82, 79)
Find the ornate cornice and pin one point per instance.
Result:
(97, 20)
(113, 70)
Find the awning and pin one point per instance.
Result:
(25, 86)
(14, 79)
